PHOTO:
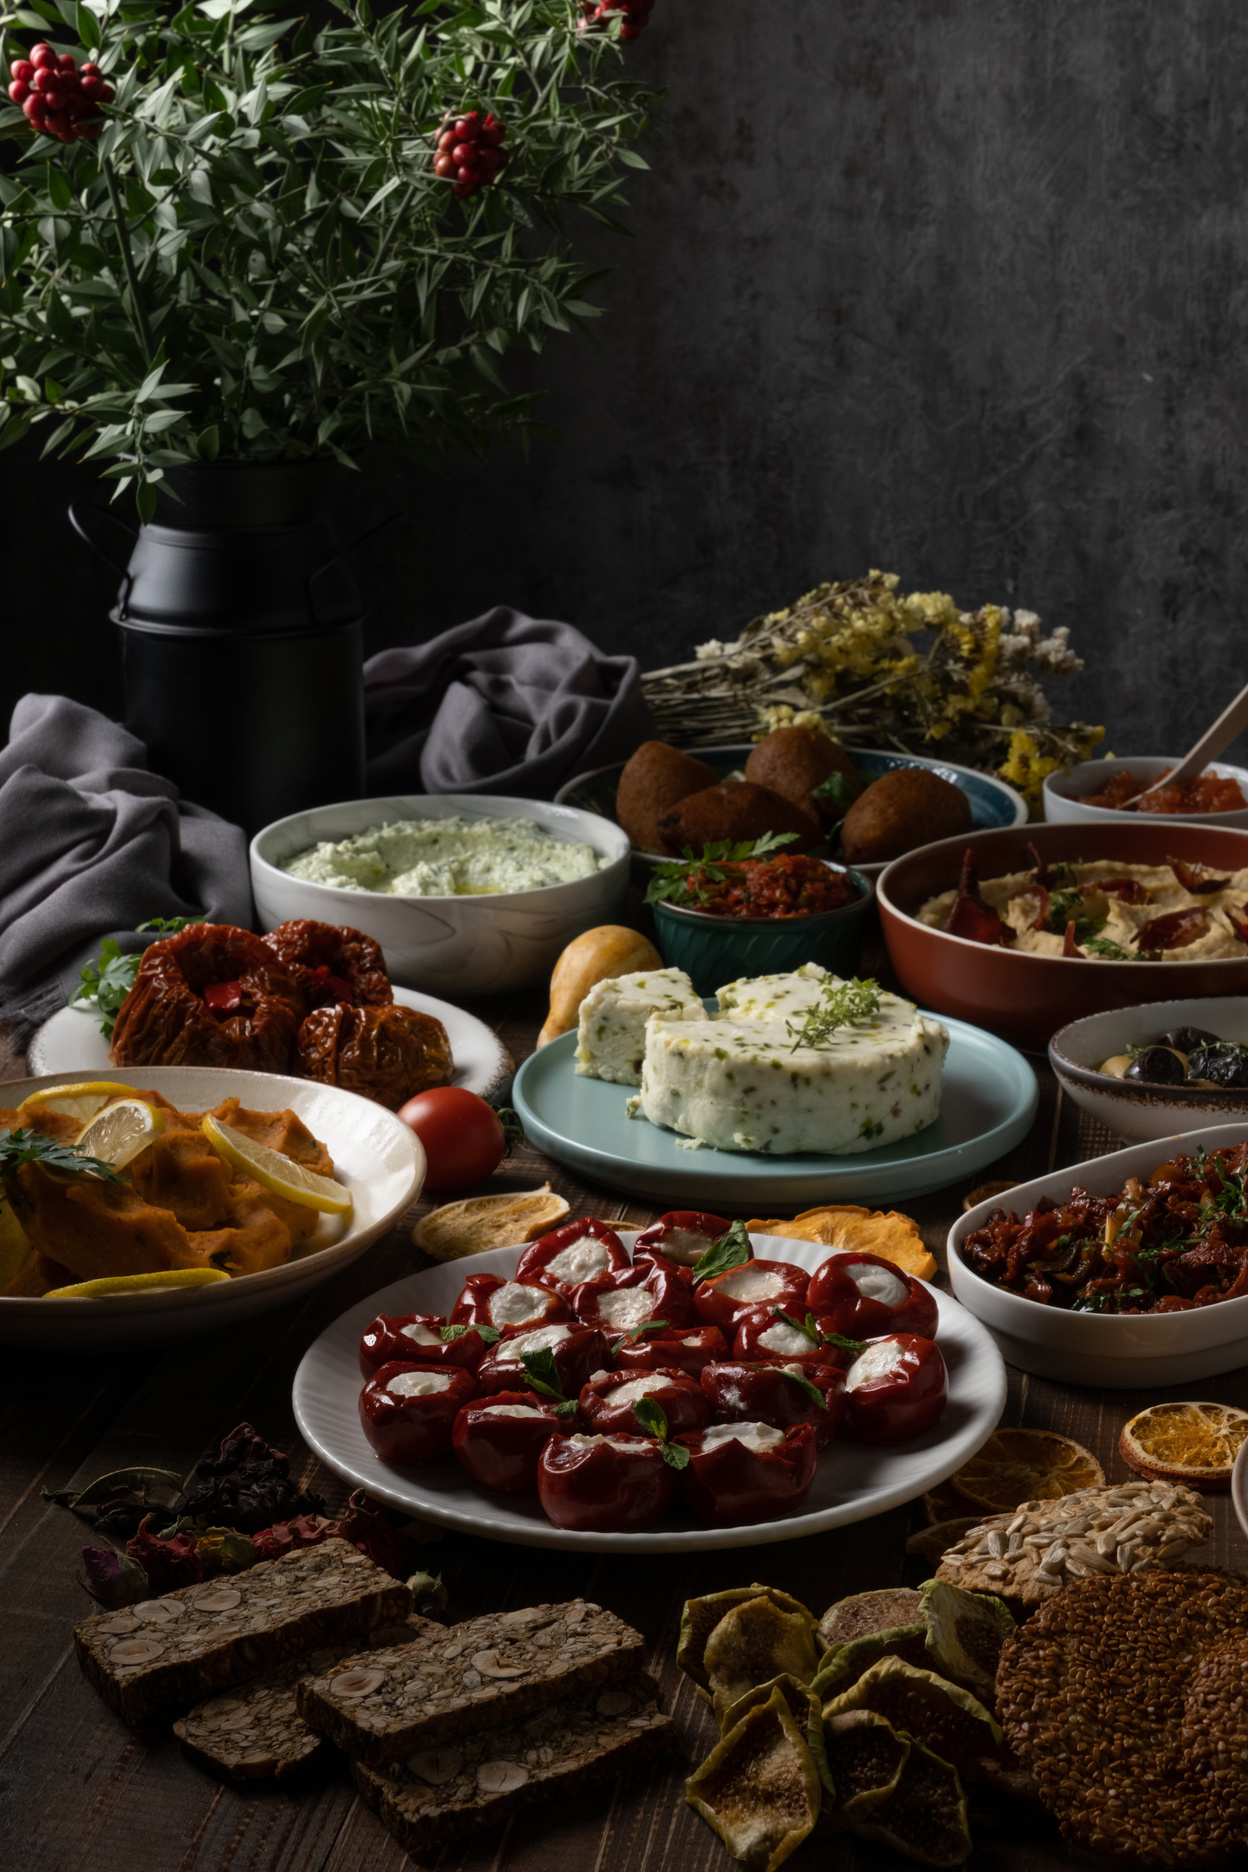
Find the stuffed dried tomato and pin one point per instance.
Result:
(386, 1053)
(332, 962)
(168, 1017)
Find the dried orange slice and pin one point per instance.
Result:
(1192, 1443)
(854, 1230)
(1026, 1465)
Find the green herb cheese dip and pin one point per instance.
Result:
(454, 857)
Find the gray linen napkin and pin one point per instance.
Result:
(504, 704)
(92, 844)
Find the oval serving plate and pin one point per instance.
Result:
(378, 1159)
(988, 1102)
(851, 1484)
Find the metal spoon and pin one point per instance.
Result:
(1232, 720)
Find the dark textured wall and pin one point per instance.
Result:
(953, 287)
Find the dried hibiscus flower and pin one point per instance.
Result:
(168, 1562)
(113, 1579)
(286, 1536)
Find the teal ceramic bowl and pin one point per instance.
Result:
(713, 950)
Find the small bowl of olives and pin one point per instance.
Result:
(1160, 1069)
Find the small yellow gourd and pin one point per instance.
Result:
(588, 959)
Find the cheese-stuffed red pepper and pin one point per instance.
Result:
(508, 1305)
(863, 1297)
(579, 1251)
(895, 1389)
(423, 1336)
(682, 1351)
(577, 1353)
(615, 1484)
(741, 1473)
(680, 1237)
(774, 1333)
(725, 1298)
(498, 1439)
(779, 1393)
(620, 1303)
(407, 1412)
(606, 1404)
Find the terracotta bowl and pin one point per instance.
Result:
(1026, 998)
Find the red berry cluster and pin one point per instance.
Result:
(57, 95)
(636, 13)
(470, 152)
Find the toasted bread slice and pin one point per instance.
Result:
(481, 1222)
(854, 1230)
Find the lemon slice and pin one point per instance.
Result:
(80, 1101)
(138, 1283)
(121, 1132)
(276, 1172)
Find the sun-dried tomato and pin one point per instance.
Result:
(387, 1053)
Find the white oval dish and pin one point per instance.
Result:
(447, 945)
(378, 1159)
(852, 1482)
(1062, 790)
(71, 1041)
(1115, 1351)
(1239, 1487)
(1129, 1107)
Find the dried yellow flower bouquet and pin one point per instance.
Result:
(879, 669)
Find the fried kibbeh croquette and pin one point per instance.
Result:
(738, 811)
(653, 780)
(908, 807)
(794, 761)
(165, 1019)
(386, 1053)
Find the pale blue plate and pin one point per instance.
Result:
(988, 1103)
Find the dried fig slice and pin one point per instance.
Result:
(865, 1757)
(755, 1642)
(844, 1664)
(925, 1816)
(927, 1708)
(701, 1616)
(805, 1707)
(866, 1612)
(965, 1633)
(758, 1788)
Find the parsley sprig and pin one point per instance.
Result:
(673, 883)
(25, 1147)
(108, 978)
(841, 1004)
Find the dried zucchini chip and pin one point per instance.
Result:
(925, 1817)
(965, 1633)
(866, 1612)
(865, 1757)
(844, 1664)
(805, 1707)
(758, 1788)
(943, 1715)
(754, 1642)
(701, 1616)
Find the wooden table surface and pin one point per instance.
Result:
(80, 1790)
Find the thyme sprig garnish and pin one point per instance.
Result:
(673, 882)
(24, 1147)
(841, 1004)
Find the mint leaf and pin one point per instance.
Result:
(810, 1328)
(541, 1374)
(23, 1147)
(490, 1335)
(652, 1417)
(675, 1455)
(731, 1250)
(812, 1391)
(639, 1332)
(839, 1339)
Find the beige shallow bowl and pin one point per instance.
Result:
(1132, 1107)
(378, 1159)
(1063, 806)
(1118, 1351)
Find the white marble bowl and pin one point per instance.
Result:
(1062, 790)
(1117, 1351)
(447, 945)
(1130, 1107)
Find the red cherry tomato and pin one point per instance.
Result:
(606, 1404)
(895, 1389)
(510, 1306)
(579, 1251)
(408, 1336)
(864, 1297)
(722, 1300)
(604, 1484)
(407, 1411)
(499, 1439)
(679, 1351)
(778, 1394)
(462, 1135)
(745, 1472)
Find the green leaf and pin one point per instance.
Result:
(139, 1481)
(653, 1420)
(490, 1335)
(799, 1378)
(731, 1250)
(638, 1332)
(835, 787)
(541, 1374)
(809, 1326)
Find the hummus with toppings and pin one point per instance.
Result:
(1106, 912)
(453, 857)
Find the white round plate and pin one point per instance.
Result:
(852, 1482)
(71, 1041)
(378, 1159)
(988, 1102)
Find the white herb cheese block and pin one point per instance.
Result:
(740, 1084)
(611, 1032)
(774, 997)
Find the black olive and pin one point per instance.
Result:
(1185, 1038)
(1224, 1063)
(1157, 1065)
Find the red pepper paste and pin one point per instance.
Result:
(789, 885)
(1208, 793)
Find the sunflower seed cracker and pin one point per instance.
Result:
(165, 1654)
(480, 1778)
(382, 1706)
